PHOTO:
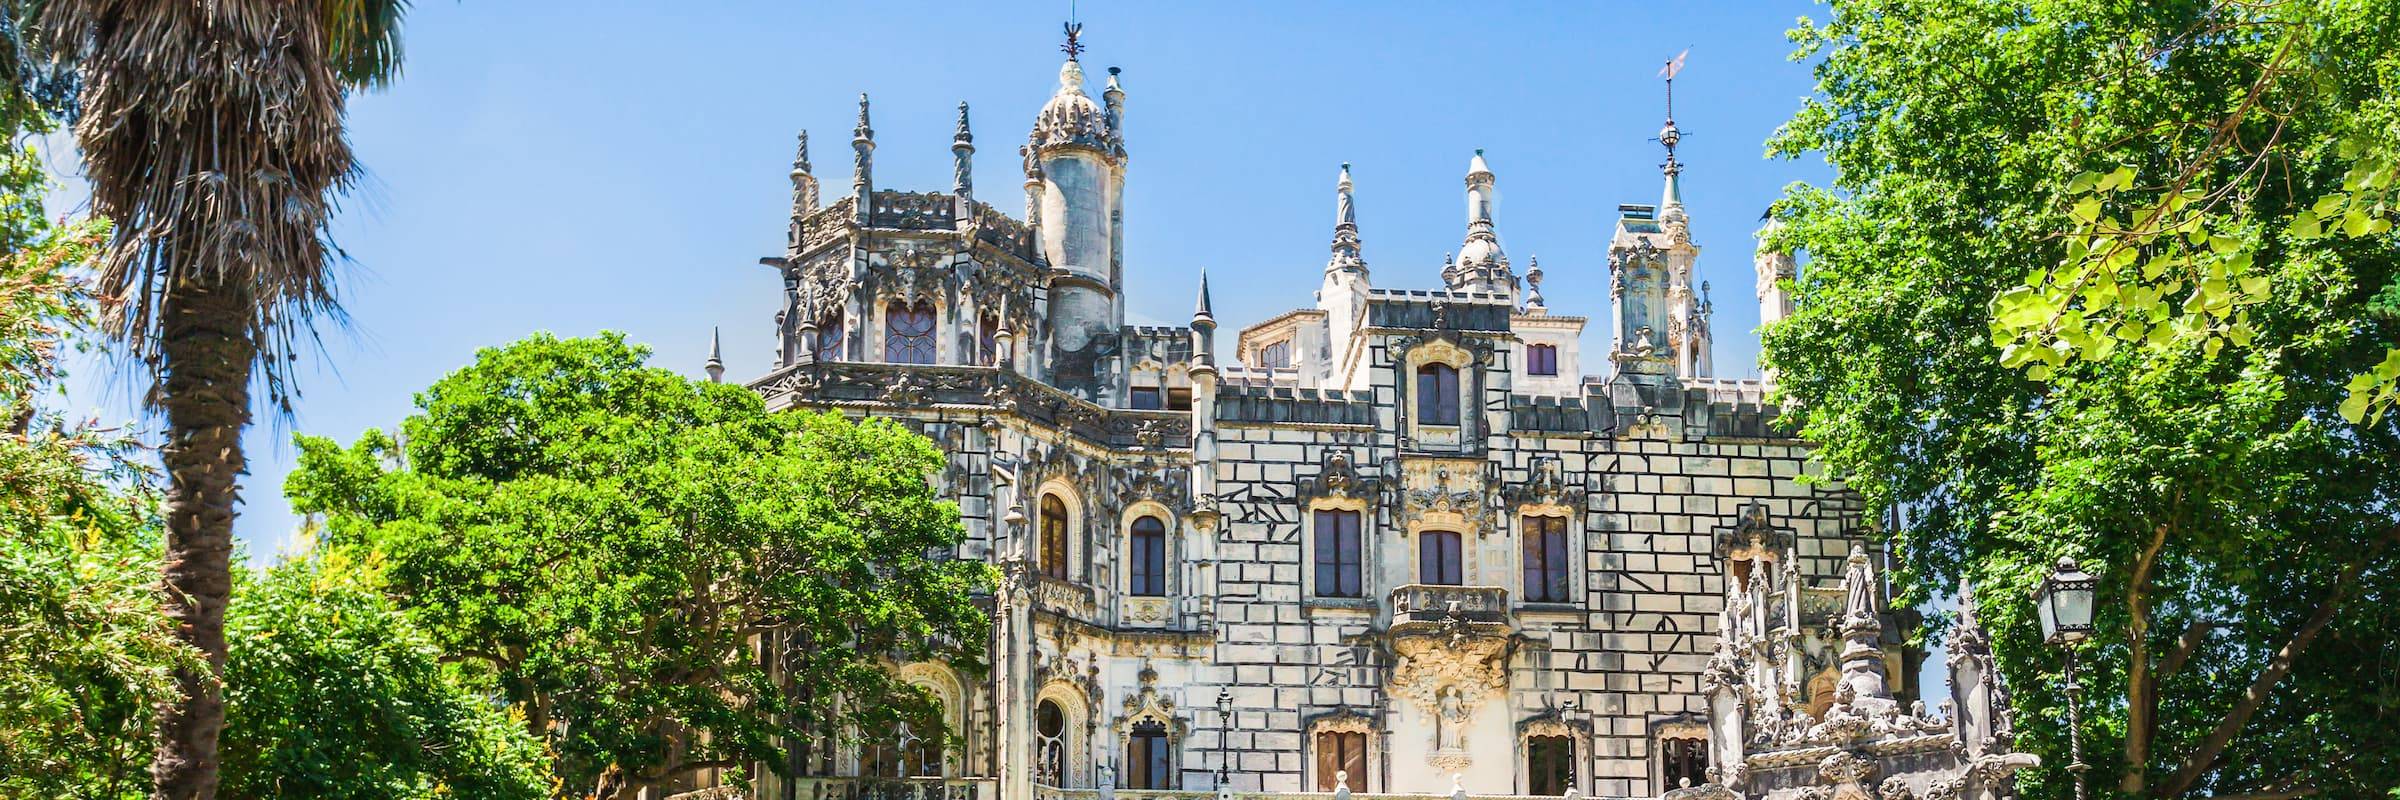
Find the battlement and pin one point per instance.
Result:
(1438, 310)
(1286, 404)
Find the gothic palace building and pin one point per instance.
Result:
(1394, 541)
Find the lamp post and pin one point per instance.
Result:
(1224, 732)
(2064, 603)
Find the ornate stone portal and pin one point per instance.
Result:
(1452, 645)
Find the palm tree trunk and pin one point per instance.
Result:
(206, 355)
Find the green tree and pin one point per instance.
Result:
(2073, 292)
(614, 541)
(85, 652)
(212, 134)
(332, 692)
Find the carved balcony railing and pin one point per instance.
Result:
(913, 386)
(1429, 604)
(888, 789)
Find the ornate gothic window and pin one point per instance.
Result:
(1149, 557)
(1438, 558)
(987, 340)
(1149, 762)
(1547, 561)
(1549, 765)
(1341, 760)
(829, 338)
(1437, 394)
(1276, 356)
(1340, 565)
(1541, 359)
(1683, 761)
(908, 333)
(1050, 744)
(1054, 537)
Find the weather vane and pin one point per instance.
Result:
(1074, 45)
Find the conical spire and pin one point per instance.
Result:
(1346, 255)
(716, 356)
(962, 171)
(1204, 313)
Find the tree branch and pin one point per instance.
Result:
(2185, 645)
(2204, 758)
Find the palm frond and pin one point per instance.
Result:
(363, 39)
(212, 135)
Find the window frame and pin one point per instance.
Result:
(1546, 558)
(830, 345)
(1055, 563)
(1276, 354)
(1438, 403)
(1146, 563)
(907, 345)
(1347, 522)
(1541, 360)
(1450, 572)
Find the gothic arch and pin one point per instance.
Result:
(1070, 747)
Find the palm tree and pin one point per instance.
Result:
(212, 135)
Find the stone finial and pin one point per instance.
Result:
(862, 162)
(1458, 786)
(962, 173)
(1341, 784)
(804, 180)
(1347, 255)
(1533, 284)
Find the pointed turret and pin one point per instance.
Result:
(1346, 250)
(1075, 176)
(862, 163)
(716, 356)
(1482, 266)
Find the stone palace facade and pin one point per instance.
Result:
(1397, 541)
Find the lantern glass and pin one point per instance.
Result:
(2064, 602)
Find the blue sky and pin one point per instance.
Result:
(574, 167)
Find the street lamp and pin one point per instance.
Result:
(1224, 731)
(2064, 603)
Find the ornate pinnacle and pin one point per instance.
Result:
(964, 136)
(863, 132)
(800, 161)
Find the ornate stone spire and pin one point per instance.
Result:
(862, 163)
(962, 170)
(1482, 266)
(716, 357)
(1114, 99)
(1204, 330)
(1862, 628)
(1670, 201)
(804, 182)
(1346, 256)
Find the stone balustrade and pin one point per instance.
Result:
(929, 788)
(1041, 792)
(1428, 603)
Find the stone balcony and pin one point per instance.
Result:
(1423, 605)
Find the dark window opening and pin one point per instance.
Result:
(987, 340)
(1437, 394)
(1148, 764)
(1547, 560)
(1541, 359)
(1549, 765)
(1438, 558)
(1050, 745)
(1179, 399)
(1054, 537)
(1683, 762)
(1149, 557)
(1340, 567)
(1146, 398)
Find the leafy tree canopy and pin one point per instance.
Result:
(2110, 280)
(614, 540)
(331, 692)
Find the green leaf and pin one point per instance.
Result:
(2306, 225)
(2354, 407)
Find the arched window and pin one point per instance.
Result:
(1149, 764)
(829, 338)
(1549, 765)
(1438, 558)
(987, 340)
(1437, 394)
(908, 333)
(1054, 537)
(1541, 359)
(1050, 744)
(1276, 356)
(1149, 557)
(1546, 560)
(921, 756)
